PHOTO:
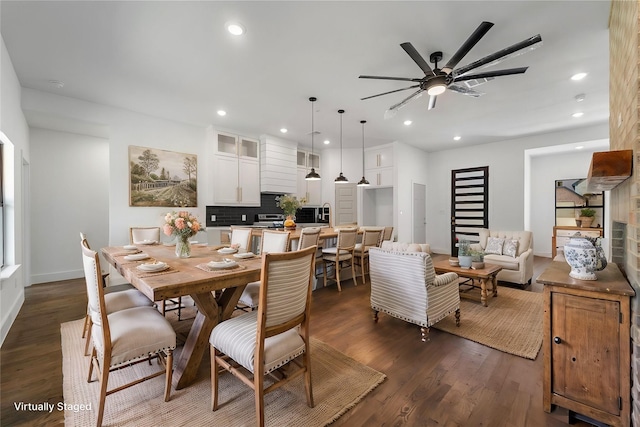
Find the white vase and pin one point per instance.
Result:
(580, 254)
(465, 261)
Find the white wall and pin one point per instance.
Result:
(70, 193)
(124, 128)
(13, 125)
(411, 167)
(506, 180)
(545, 168)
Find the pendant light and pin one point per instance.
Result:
(341, 179)
(312, 175)
(363, 182)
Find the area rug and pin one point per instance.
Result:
(339, 383)
(511, 323)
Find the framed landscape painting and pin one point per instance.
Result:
(162, 178)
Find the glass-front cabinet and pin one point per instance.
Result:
(236, 172)
(576, 206)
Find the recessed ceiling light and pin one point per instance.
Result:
(327, 142)
(579, 147)
(283, 130)
(235, 28)
(580, 97)
(578, 76)
(578, 114)
(457, 138)
(222, 113)
(407, 122)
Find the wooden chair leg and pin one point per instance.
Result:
(87, 340)
(93, 354)
(353, 273)
(259, 392)
(168, 375)
(214, 379)
(324, 268)
(307, 378)
(87, 318)
(104, 379)
(338, 274)
(424, 332)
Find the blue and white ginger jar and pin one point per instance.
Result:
(581, 256)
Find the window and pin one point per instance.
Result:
(2, 233)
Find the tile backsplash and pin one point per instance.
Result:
(232, 215)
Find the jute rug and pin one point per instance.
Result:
(511, 323)
(339, 383)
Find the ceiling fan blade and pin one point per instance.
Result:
(391, 91)
(508, 52)
(496, 73)
(407, 79)
(473, 39)
(465, 90)
(418, 59)
(432, 102)
(415, 95)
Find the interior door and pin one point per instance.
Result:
(346, 204)
(419, 213)
(469, 204)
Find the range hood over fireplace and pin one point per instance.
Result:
(608, 169)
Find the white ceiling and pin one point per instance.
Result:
(176, 60)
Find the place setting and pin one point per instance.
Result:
(226, 265)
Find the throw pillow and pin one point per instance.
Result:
(494, 246)
(510, 248)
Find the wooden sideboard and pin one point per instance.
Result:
(586, 346)
(561, 235)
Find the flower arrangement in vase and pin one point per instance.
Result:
(290, 205)
(182, 225)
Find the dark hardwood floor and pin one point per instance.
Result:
(448, 381)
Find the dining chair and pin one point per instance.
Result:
(309, 236)
(273, 336)
(241, 236)
(387, 234)
(271, 242)
(342, 252)
(139, 235)
(119, 297)
(371, 238)
(125, 337)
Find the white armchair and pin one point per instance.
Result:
(404, 285)
(517, 267)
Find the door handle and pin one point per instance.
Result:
(557, 340)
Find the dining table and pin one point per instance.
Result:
(215, 289)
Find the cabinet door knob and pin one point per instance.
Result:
(557, 340)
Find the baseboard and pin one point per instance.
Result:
(56, 277)
(10, 316)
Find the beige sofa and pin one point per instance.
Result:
(515, 269)
(404, 285)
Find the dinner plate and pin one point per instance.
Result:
(147, 242)
(222, 264)
(245, 255)
(159, 266)
(130, 247)
(136, 257)
(227, 251)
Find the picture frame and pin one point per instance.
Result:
(162, 178)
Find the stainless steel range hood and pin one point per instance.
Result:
(608, 169)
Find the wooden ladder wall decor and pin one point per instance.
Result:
(469, 204)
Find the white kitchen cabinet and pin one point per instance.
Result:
(278, 165)
(310, 190)
(379, 166)
(236, 171)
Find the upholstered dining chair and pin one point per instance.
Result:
(124, 337)
(119, 297)
(387, 234)
(371, 238)
(267, 339)
(241, 236)
(309, 236)
(272, 242)
(342, 252)
(139, 235)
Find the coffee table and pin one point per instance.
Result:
(485, 275)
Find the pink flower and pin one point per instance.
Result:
(168, 229)
(180, 223)
(196, 226)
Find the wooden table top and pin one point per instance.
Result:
(183, 277)
(489, 270)
(610, 280)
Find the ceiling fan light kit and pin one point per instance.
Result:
(341, 179)
(312, 175)
(437, 80)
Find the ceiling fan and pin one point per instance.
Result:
(437, 80)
